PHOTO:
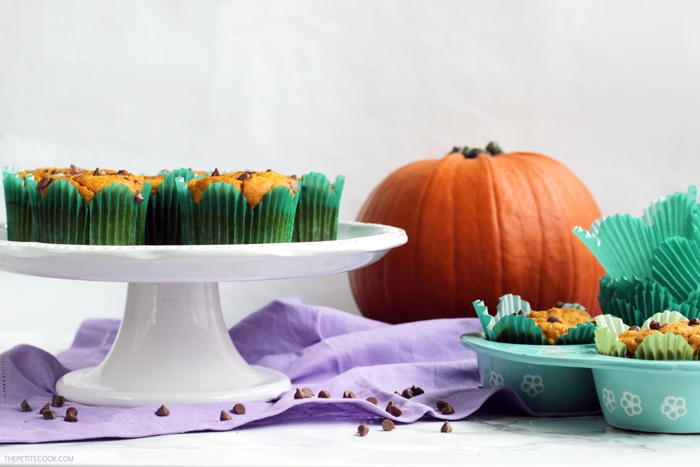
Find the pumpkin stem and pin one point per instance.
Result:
(492, 149)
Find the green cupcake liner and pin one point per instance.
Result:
(676, 265)
(115, 218)
(316, 217)
(60, 215)
(667, 346)
(164, 218)
(273, 217)
(18, 210)
(607, 343)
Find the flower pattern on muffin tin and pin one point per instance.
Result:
(674, 407)
(609, 400)
(496, 380)
(532, 385)
(631, 403)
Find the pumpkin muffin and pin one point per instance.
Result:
(19, 215)
(556, 322)
(239, 207)
(687, 329)
(103, 207)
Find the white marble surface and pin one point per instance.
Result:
(486, 438)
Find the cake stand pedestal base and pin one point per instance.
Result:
(172, 347)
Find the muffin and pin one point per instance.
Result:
(238, 208)
(104, 207)
(664, 336)
(319, 202)
(515, 322)
(19, 216)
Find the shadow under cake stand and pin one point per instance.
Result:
(173, 345)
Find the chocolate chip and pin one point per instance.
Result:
(25, 406)
(655, 325)
(372, 400)
(387, 425)
(446, 428)
(299, 394)
(239, 409)
(349, 395)
(46, 407)
(553, 319)
(49, 415)
(308, 392)
(244, 176)
(162, 411)
(99, 171)
(224, 416)
(441, 405)
(407, 393)
(417, 391)
(634, 327)
(394, 409)
(362, 430)
(122, 172)
(138, 197)
(558, 304)
(216, 173)
(324, 394)
(72, 411)
(58, 401)
(70, 417)
(447, 410)
(693, 322)
(44, 182)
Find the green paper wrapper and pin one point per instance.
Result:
(115, 218)
(163, 221)
(18, 211)
(676, 265)
(316, 217)
(223, 216)
(511, 324)
(634, 300)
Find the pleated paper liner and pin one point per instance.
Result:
(18, 211)
(676, 265)
(223, 216)
(511, 324)
(657, 346)
(625, 246)
(164, 222)
(116, 218)
(316, 216)
(634, 305)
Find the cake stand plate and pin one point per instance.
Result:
(173, 345)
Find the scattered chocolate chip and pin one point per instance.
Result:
(99, 171)
(655, 325)
(417, 391)
(299, 394)
(446, 428)
(308, 392)
(162, 411)
(372, 400)
(362, 430)
(441, 405)
(387, 425)
(70, 417)
(349, 395)
(46, 407)
(72, 411)
(407, 393)
(138, 197)
(49, 415)
(634, 327)
(44, 182)
(693, 322)
(239, 409)
(25, 406)
(224, 416)
(553, 319)
(57, 401)
(244, 176)
(323, 394)
(216, 173)
(447, 410)
(393, 409)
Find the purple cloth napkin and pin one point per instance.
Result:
(316, 347)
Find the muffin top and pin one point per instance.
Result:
(44, 172)
(88, 184)
(556, 322)
(156, 181)
(254, 185)
(688, 329)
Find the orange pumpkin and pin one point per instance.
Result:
(480, 224)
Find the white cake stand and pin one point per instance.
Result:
(173, 345)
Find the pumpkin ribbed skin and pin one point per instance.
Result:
(479, 228)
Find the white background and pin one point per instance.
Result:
(610, 88)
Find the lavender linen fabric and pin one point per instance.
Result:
(316, 347)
